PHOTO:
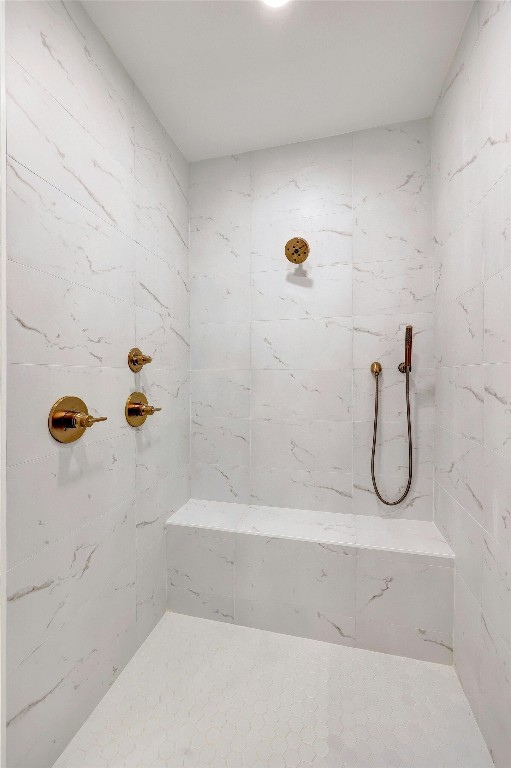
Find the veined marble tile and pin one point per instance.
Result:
(459, 468)
(382, 338)
(390, 234)
(220, 299)
(403, 593)
(200, 561)
(90, 84)
(497, 408)
(220, 346)
(392, 449)
(497, 318)
(496, 587)
(408, 137)
(220, 393)
(301, 394)
(234, 168)
(418, 505)
(50, 498)
(301, 444)
(330, 238)
(156, 228)
(391, 179)
(46, 590)
(157, 504)
(205, 606)
(200, 513)
(52, 321)
(221, 441)
(460, 400)
(49, 231)
(160, 286)
(71, 666)
(303, 292)
(295, 573)
(497, 497)
(414, 541)
(46, 139)
(467, 643)
(220, 483)
(151, 588)
(322, 490)
(422, 644)
(495, 712)
(392, 404)
(159, 451)
(390, 287)
(159, 165)
(216, 249)
(168, 389)
(496, 226)
(37, 387)
(459, 259)
(226, 202)
(164, 338)
(459, 329)
(302, 344)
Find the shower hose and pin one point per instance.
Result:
(375, 430)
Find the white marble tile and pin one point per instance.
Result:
(301, 444)
(418, 505)
(158, 450)
(300, 488)
(392, 404)
(151, 588)
(44, 591)
(421, 540)
(37, 387)
(50, 232)
(497, 317)
(155, 505)
(50, 498)
(303, 525)
(90, 83)
(395, 591)
(496, 587)
(388, 234)
(404, 641)
(295, 573)
(459, 330)
(495, 712)
(497, 408)
(156, 228)
(460, 470)
(220, 346)
(222, 298)
(459, 259)
(202, 605)
(304, 292)
(70, 667)
(168, 389)
(53, 321)
(392, 449)
(220, 441)
(165, 339)
(467, 643)
(161, 286)
(409, 137)
(302, 344)
(200, 561)
(216, 249)
(220, 393)
(496, 226)
(497, 497)
(394, 179)
(390, 287)
(383, 337)
(225, 516)
(235, 168)
(301, 394)
(220, 483)
(460, 400)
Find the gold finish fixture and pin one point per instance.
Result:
(137, 409)
(69, 418)
(297, 249)
(376, 368)
(136, 360)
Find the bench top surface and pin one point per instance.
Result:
(357, 531)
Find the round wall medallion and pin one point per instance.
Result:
(297, 250)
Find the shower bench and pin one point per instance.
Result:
(373, 583)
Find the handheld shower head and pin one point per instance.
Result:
(408, 347)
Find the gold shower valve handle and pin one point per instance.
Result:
(138, 409)
(137, 360)
(69, 418)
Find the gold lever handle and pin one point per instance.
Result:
(137, 360)
(148, 409)
(69, 418)
(138, 409)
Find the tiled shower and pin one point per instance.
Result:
(259, 460)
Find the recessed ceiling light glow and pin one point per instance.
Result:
(275, 3)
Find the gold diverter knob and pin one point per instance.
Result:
(69, 418)
(136, 360)
(137, 409)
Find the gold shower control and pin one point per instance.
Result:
(136, 360)
(137, 409)
(296, 250)
(69, 418)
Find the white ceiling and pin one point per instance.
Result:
(230, 76)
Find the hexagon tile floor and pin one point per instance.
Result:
(202, 693)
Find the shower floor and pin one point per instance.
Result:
(202, 693)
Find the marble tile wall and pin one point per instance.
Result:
(471, 172)
(97, 228)
(282, 396)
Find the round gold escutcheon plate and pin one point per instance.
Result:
(297, 249)
(58, 424)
